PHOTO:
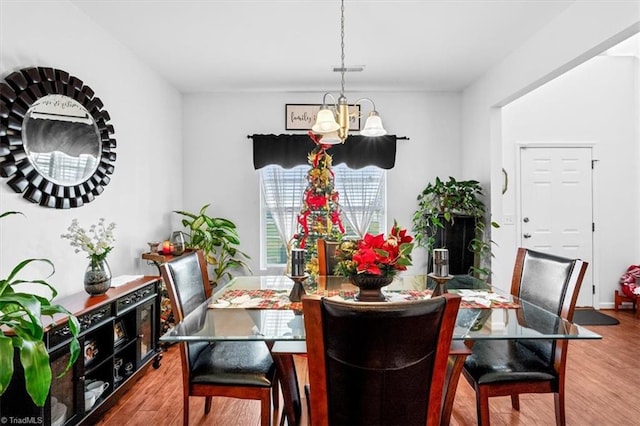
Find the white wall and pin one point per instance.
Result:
(147, 116)
(219, 158)
(585, 29)
(591, 103)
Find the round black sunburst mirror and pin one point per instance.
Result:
(55, 138)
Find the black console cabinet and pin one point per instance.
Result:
(118, 339)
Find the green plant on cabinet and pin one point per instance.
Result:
(442, 202)
(21, 314)
(218, 239)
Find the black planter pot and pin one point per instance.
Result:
(456, 238)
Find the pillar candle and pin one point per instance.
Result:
(441, 262)
(297, 262)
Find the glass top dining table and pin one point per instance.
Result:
(259, 308)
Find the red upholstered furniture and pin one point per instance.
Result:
(620, 298)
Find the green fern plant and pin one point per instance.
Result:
(23, 330)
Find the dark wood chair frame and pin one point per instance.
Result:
(324, 255)
(263, 394)
(317, 389)
(556, 386)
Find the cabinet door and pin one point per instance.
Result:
(16, 406)
(65, 389)
(146, 331)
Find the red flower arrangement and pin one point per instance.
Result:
(375, 255)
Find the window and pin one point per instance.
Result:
(362, 195)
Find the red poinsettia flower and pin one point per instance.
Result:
(375, 254)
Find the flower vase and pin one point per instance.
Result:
(370, 287)
(97, 277)
(178, 243)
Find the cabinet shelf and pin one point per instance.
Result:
(123, 346)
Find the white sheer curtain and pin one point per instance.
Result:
(282, 192)
(361, 193)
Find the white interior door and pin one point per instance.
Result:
(556, 214)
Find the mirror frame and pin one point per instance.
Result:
(19, 92)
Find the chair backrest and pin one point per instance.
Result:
(552, 283)
(187, 283)
(378, 363)
(326, 256)
(549, 281)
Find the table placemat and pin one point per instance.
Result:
(279, 299)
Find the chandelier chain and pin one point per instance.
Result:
(342, 48)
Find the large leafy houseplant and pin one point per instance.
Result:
(23, 330)
(444, 201)
(218, 239)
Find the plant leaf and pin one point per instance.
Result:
(6, 362)
(37, 371)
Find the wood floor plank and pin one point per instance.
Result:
(603, 384)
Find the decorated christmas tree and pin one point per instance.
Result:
(320, 213)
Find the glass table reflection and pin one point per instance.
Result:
(214, 320)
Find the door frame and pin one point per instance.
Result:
(595, 261)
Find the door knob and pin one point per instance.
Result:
(525, 220)
(527, 235)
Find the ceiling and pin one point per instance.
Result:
(287, 45)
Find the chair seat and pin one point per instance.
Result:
(234, 363)
(495, 361)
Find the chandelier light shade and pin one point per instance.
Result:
(331, 138)
(332, 120)
(325, 122)
(373, 126)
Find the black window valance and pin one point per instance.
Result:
(292, 150)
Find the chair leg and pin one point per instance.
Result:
(276, 393)
(482, 406)
(515, 401)
(185, 410)
(558, 399)
(307, 394)
(265, 409)
(207, 404)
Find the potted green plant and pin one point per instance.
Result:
(444, 203)
(218, 239)
(23, 330)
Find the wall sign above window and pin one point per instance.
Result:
(302, 116)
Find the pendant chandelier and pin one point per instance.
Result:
(333, 120)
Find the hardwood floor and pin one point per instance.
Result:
(603, 387)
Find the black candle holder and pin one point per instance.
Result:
(298, 288)
(441, 284)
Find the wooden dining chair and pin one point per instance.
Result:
(378, 363)
(512, 367)
(236, 369)
(326, 256)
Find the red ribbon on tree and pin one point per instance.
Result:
(317, 201)
(303, 221)
(335, 219)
